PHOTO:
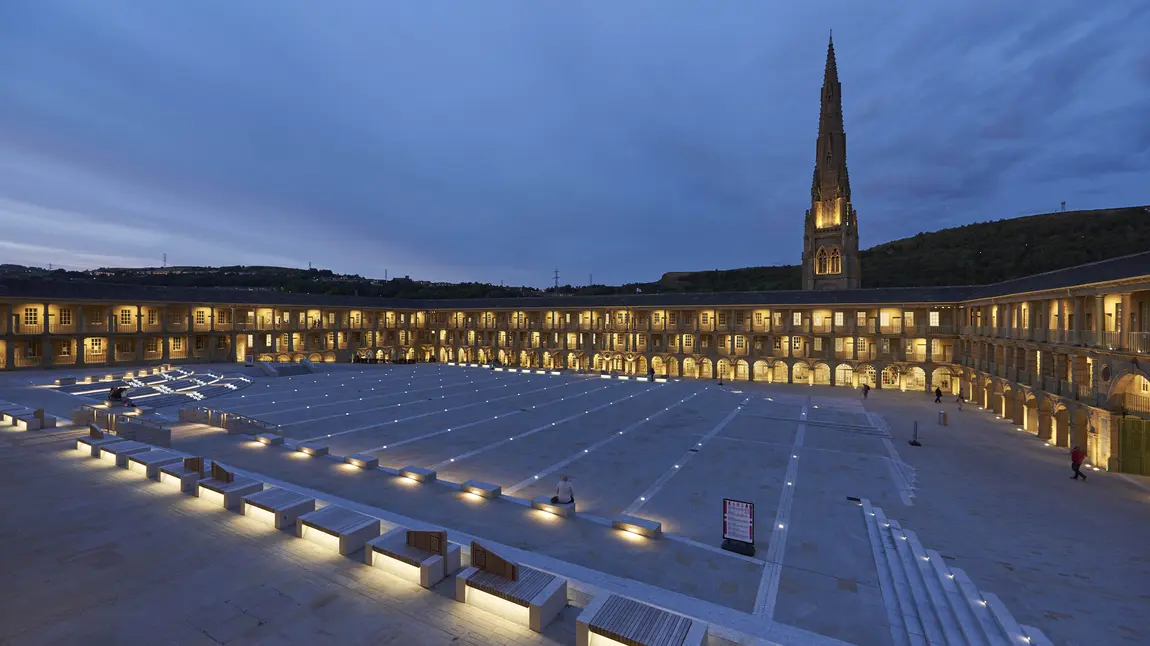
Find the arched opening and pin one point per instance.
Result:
(867, 375)
(822, 374)
(1062, 426)
(915, 379)
(690, 368)
(821, 261)
(762, 370)
(315, 357)
(1018, 408)
(1030, 417)
(1131, 393)
(641, 366)
(723, 369)
(944, 379)
(844, 375)
(800, 373)
(481, 356)
(890, 377)
(659, 366)
(987, 393)
(706, 369)
(1045, 419)
(780, 373)
(1080, 431)
(672, 367)
(742, 370)
(836, 262)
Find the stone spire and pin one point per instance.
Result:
(831, 179)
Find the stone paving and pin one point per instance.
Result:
(993, 501)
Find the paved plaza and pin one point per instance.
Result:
(1063, 557)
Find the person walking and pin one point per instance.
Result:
(1077, 457)
(959, 400)
(564, 492)
(937, 395)
(866, 390)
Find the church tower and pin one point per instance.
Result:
(830, 238)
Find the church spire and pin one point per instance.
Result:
(831, 179)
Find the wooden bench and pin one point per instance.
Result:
(118, 452)
(226, 488)
(543, 503)
(95, 439)
(338, 529)
(148, 463)
(520, 594)
(183, 475)
(277, 507)
(423, 557)
(613, 619)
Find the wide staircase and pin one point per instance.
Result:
(929, 602)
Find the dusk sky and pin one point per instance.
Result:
(499, 140)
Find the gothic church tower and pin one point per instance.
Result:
(830, 238)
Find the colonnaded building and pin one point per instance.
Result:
(1062, 354)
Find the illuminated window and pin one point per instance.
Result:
(839, 344)
(177, 343)
(722, 318)
(740, 318)
(933, 316)
(738, 341)
(778, 343)
(65, 317)
(821, 261)
(758, 318)
(908, 318)
(31, 316)
(687, 340)
(796, 343)
(836, 261)
(860, 319)
(818, 343)
(200, 318)
(705, 318)
(151, 344)
(839, 319)
(96, 345)
(125, 317)
(797, 318)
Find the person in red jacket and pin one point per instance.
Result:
(1077, 457)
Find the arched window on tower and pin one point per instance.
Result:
(836, 261)
(821, 261)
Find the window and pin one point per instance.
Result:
(151, 344)
(836, 262)
(740, 318)
(758, 319)
(31, 316)
(618, 317)
(722, 318)
(687, 340)
(778, 318)
(908, 319)
(705, 318)
(935, 348)
(818, 344)
(797, 318)
(705, 341)
(839, 344)
(884, 319)
(860, 319)
(200, 319)
(177, 343)
(884, 346)
(821, 261)
(221, 343)
(151, 317)
(225, 316)
(933, 317)
(796, 343)
(65, 317)
(64, 349)
(95, 346)
(839, 319)
(201, 342)
(739, 341)
(860, 343)
(779, 343)
(125, 317)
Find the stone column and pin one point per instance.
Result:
(1099, 320)
(1079, 319)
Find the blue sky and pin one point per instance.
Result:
(499, 140)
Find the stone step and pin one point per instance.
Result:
(951, 631)
(918, 591)
(1037, 638)
(962, 613)
(977, 605)
(899, 636)
(902, 592)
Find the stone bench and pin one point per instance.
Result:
(423, 557)
(118, 452)
(338, 529)
(636, 525)
(226, 488)
(419, 474)
(270, 439)
(543, 503)
(520, 594)
(277, 507)
(362, 460)
(148, 463)
(482, 489)
(66, 381)
(618, 620)
(183, 475)
(95, 439)
(312, 449)
(29, 419)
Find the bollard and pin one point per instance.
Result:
(914, 440)
(942, 418)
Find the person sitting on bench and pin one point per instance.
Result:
(564, 493)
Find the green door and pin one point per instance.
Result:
(1134, 446)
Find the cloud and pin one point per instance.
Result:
(498, 141)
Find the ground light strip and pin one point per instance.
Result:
(495, 445)
(768, 594)
(482, 421)
(598, 445)
(280, 393)
(421, 415)
(663, 479)
(412, 402)
(336, 402)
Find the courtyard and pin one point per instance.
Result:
(1063, 557)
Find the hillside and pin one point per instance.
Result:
(974, 254)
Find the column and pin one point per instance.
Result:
(1124, 322)
(1079, 319)
(1099, 320)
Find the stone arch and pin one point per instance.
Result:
(1131, 391)
(821, 261)
(690, 367)
(329, 357)
(723, 369)
(1080, 429)
(762, 370)
(891, 376)
(283, 358)
(742, 370)
(866, 374)
(1030, 412)
(845, 375)
(987, 393)
(835, 261)
(526, 358)
(800, 373)
(1061, 425)
(821, 375)
(672, 367)
(266, 358)
(659, 366)
(315, 357)
(481, 355)
(780, 373)
(706, 369)
(945, 379)
(1045, 419)
(641, 365)
(915, 379)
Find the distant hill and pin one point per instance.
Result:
(986, 252)
(974, 254)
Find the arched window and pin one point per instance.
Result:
(836, 261)
(821, 261)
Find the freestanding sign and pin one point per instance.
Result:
(739, 526)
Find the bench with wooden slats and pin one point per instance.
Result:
(420, 556)
(531, 582)
(634, 623)
(525, 595)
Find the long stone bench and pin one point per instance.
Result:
(183, 475)
(636, 525)
(423, 557)
(66, 381)
(338, 529)
(520, 594)
(543, 503)
(118, 452)
(91, 443)
(226, 488)
(28, 419)
(482, 489)
(611, 619)
(277, 507)
(148, 463)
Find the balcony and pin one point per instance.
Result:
(1140, 341)
(125, 356)
(937, 330)
(64, 360)
(823, 328)
(28, 328)
(890, 329)
(1137, 404)
(23, 361)
(57, 328)
(95, 358)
